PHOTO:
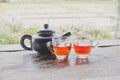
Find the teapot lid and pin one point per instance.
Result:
(46, 32)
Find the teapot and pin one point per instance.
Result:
(38, 42)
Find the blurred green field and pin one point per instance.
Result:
(11, 33)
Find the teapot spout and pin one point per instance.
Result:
(65, 35)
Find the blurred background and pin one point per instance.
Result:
(99, 19)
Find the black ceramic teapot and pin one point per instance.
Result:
(38, 41)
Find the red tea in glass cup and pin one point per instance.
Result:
(61, 48)
(81, 50)
(82, 47)
(62, 51)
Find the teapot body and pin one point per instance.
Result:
(39, 44)
(39, 41)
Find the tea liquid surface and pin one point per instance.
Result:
(82, 49)
(62, 50)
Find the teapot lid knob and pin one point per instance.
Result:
(46, 26)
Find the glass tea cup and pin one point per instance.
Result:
(61, 47)
(83, 47)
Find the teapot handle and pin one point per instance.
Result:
(50, 48)
(22, 42)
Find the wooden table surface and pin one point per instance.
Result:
(102, 64)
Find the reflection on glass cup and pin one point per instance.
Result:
(82, 47)
(80, 61)
(62, 63)
(61, 48)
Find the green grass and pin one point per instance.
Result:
(11, 34)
